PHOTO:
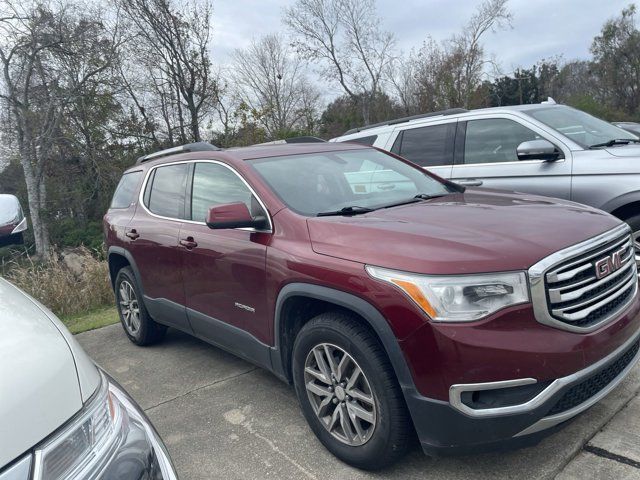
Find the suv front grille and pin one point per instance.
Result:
(578, 297)
(583, 391)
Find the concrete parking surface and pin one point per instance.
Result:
(224, 418)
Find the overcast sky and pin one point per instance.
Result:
(541, 28)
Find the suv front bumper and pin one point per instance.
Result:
(447, 428)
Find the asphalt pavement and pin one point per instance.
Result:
(222, 417)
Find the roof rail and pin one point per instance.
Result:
(451, 111)
(303, 139)
(191, 147)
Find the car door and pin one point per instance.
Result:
(224, 270)
(486, 156)
(430, 146)
(153, 235)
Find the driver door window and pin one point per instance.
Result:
(213, 185)
(494, 140)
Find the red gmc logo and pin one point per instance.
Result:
(610, 264)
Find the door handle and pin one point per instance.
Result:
(189, 243)
(132, 234)
(470, 182)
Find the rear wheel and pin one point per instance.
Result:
(348, 392)
(138, 325)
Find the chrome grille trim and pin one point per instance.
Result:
(560, 277)
(561, 305)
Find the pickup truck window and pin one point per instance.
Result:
(494, 140)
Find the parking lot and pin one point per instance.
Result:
(224, 418)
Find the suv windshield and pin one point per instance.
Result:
(584, 129)
(351, 181)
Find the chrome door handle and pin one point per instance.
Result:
(471, 182)
(132, 234)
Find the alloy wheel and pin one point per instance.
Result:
(129, 307)
(340, 394)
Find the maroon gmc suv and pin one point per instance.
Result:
(394, 301)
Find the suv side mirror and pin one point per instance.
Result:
(539, 150)
(233, 215)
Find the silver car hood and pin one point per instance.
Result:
(44, 375)
(632, 150)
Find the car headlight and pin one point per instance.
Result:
(458, 298)
(87, 442)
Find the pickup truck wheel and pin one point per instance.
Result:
(137, 324)
(349, 393)
(634, 222)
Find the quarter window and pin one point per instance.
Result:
(166, 196)
(126, 190)
(427, 146)
(494, 140)
(213, 185)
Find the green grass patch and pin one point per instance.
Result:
(100, 317)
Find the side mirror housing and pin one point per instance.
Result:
(233, 215)
(539, 150)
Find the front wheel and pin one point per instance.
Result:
(349, 393)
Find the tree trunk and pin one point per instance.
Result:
(36, 193)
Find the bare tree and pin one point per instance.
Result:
(172, 46)
(447, 74)
(346, 38)
(272, 82)
(491, 14)
(48, 55)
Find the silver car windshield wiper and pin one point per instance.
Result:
(352, 210)
(615, 141)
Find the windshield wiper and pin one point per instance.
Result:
(417, 198)
(353, 210)
(615, 141)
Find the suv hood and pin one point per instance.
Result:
(43, 378)
(472, 232)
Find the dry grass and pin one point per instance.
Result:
(55, 285)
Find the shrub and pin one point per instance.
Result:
(58, 285)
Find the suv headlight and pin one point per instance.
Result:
(85, 444)
(458, 298)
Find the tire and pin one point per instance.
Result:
(634, 222)
(386, 432)
(136, 321)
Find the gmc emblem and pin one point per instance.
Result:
(610, 264)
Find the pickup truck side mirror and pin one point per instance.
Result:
(13, 223)
(539, 150)
(233, 215)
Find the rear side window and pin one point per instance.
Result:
(370, 140)
(165, 195)
(126, 190)
(427, 146)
